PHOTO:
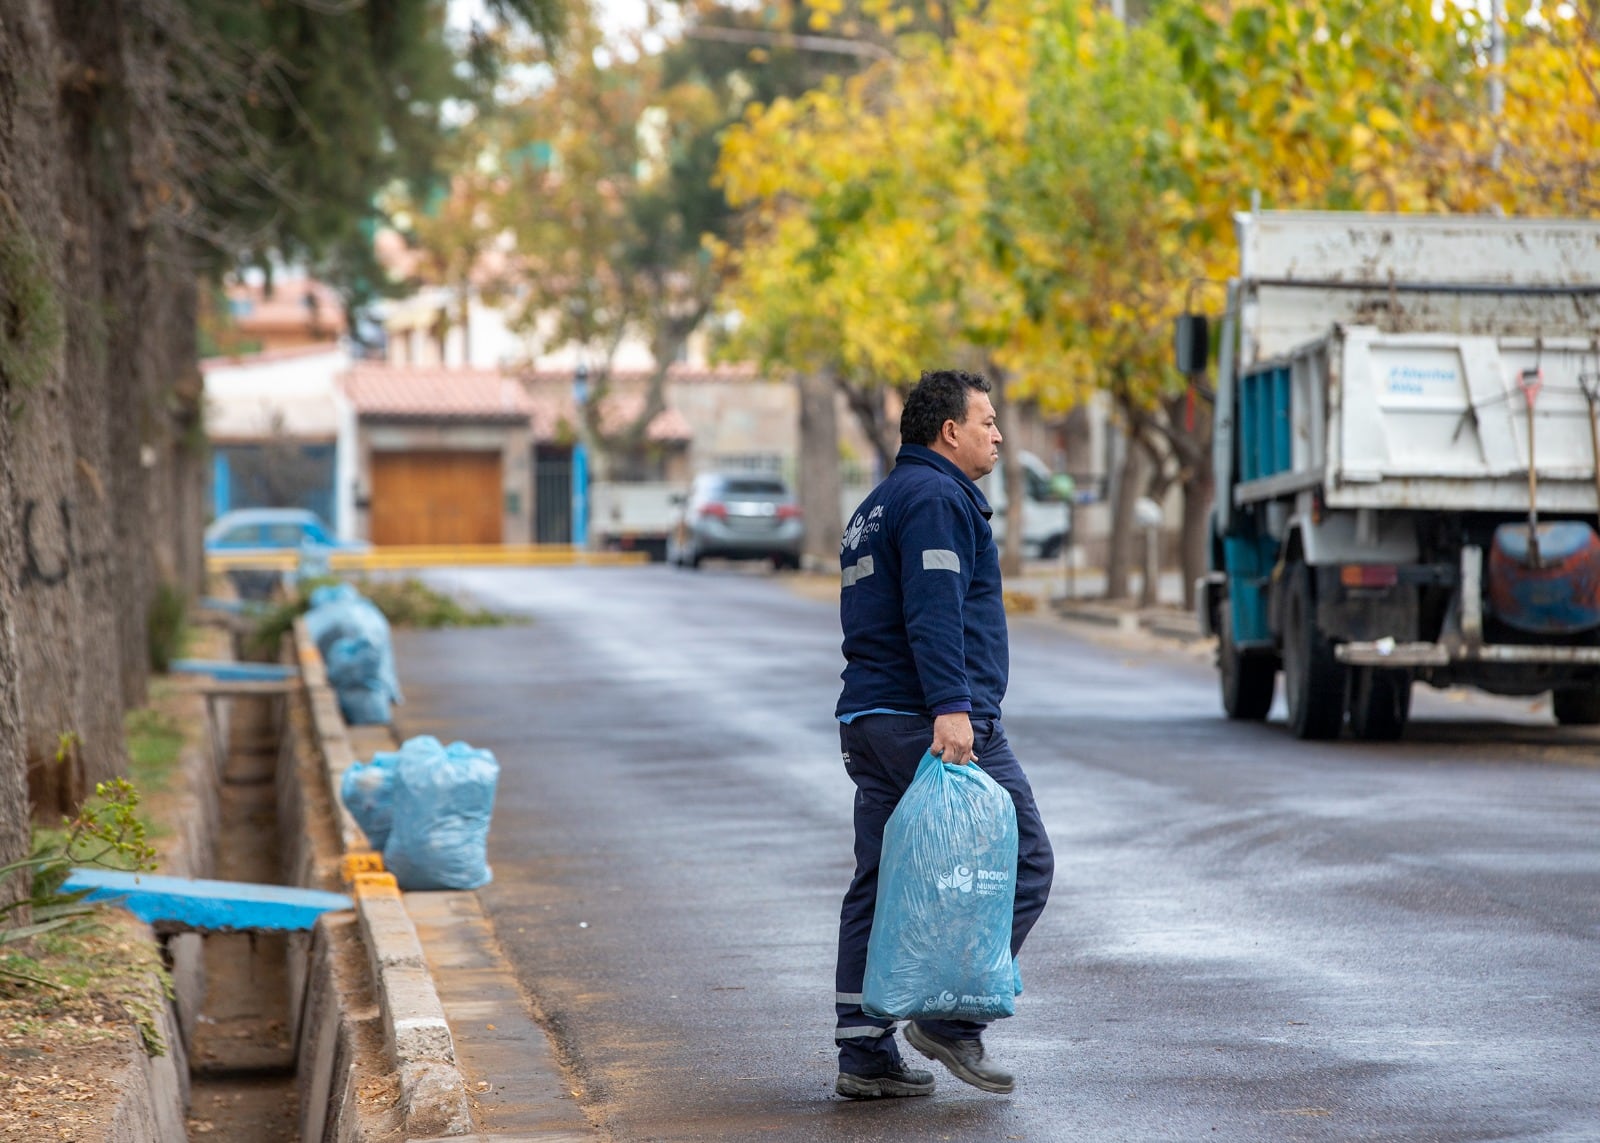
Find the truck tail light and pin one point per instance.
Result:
(715, 508)
(1369, 575)
(789, 512)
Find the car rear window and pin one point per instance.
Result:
(747, 487)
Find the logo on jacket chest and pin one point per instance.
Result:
(860, 528)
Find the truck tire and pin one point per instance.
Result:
(1576, 706)
(1313, 679)
(1247, 680)
(1050, 549)
(1380, 703)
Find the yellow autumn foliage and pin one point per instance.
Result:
(1043, 189)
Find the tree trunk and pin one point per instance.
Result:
(22, 146)
(1188, 427)
(867, 403)
(1006, 420)
(1159, 480)
(1126, 485)
(1198, 490)
(818, 484)
(14, 823)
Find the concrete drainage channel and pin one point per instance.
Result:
(336, 1034)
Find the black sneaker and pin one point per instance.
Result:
(965, 1059)
(898, 1080)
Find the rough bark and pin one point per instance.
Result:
(868, 404)
(1127, 483)
(14, 48)
(102, 496)
(14, 832)
(1199, 488)
(819, 487)
(1007, 421)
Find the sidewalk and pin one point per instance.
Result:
(1078, 596)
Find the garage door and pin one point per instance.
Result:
(436, 498)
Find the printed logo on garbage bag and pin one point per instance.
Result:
(948, 1001)
(984, 882)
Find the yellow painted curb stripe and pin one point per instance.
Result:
(375, 885)
(400, 558)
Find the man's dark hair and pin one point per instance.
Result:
(940, 396)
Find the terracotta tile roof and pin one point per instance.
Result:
(402, 393)
(630, 378)
(296, 305)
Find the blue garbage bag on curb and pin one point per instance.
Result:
(355, 670)
(354, 638)
(367, 791)
(443, 798)
(941, 930)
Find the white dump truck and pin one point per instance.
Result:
(1406, 457)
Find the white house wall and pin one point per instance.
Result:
(245, 397)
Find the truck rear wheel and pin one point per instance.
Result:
(1313, 679)
(1247, 680)
(1578, 706)
(1380, 703)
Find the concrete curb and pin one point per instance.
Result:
(433, 1094)
(1167, 623)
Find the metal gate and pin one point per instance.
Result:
(552, 494)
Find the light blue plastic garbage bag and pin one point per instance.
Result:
(355, 670)
(341, 612)
(442, 803)
(367, 788)
(941, 931)
(367, 791)
(332, 593)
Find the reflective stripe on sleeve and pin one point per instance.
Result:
(861, 569)
(941, 559)
(847, 998)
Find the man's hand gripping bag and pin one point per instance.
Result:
(941, 932)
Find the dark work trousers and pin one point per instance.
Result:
(881, 756)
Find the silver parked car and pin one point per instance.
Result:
(737, 516)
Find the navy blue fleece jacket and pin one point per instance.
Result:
(921, 607)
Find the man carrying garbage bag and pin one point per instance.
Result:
(926, 665)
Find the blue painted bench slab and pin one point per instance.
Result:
(229, 670)
(234, 606)
(180, 904)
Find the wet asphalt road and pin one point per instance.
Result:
(1250, 938)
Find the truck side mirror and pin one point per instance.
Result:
(1192, 343)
